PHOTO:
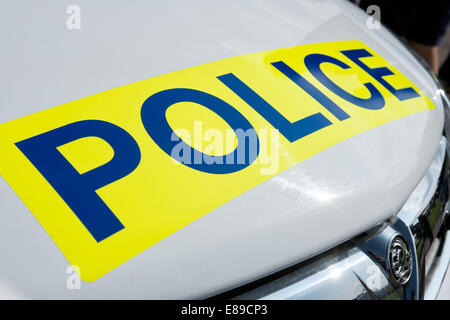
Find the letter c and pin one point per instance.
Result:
(313, 62)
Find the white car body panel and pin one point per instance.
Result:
(309, 208)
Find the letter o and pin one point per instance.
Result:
(153, 115)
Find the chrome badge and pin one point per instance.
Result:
(400, 260)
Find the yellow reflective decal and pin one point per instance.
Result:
(108, 176)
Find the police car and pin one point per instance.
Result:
(238, 149)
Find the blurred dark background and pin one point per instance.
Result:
(422, 24)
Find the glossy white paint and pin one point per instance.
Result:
(313, 206)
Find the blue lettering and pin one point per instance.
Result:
(291, 131)
(379, 74)
(311, 90)
(155, 122)
(78, 190)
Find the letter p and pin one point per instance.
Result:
(79, 190)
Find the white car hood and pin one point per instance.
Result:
(302, 211)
